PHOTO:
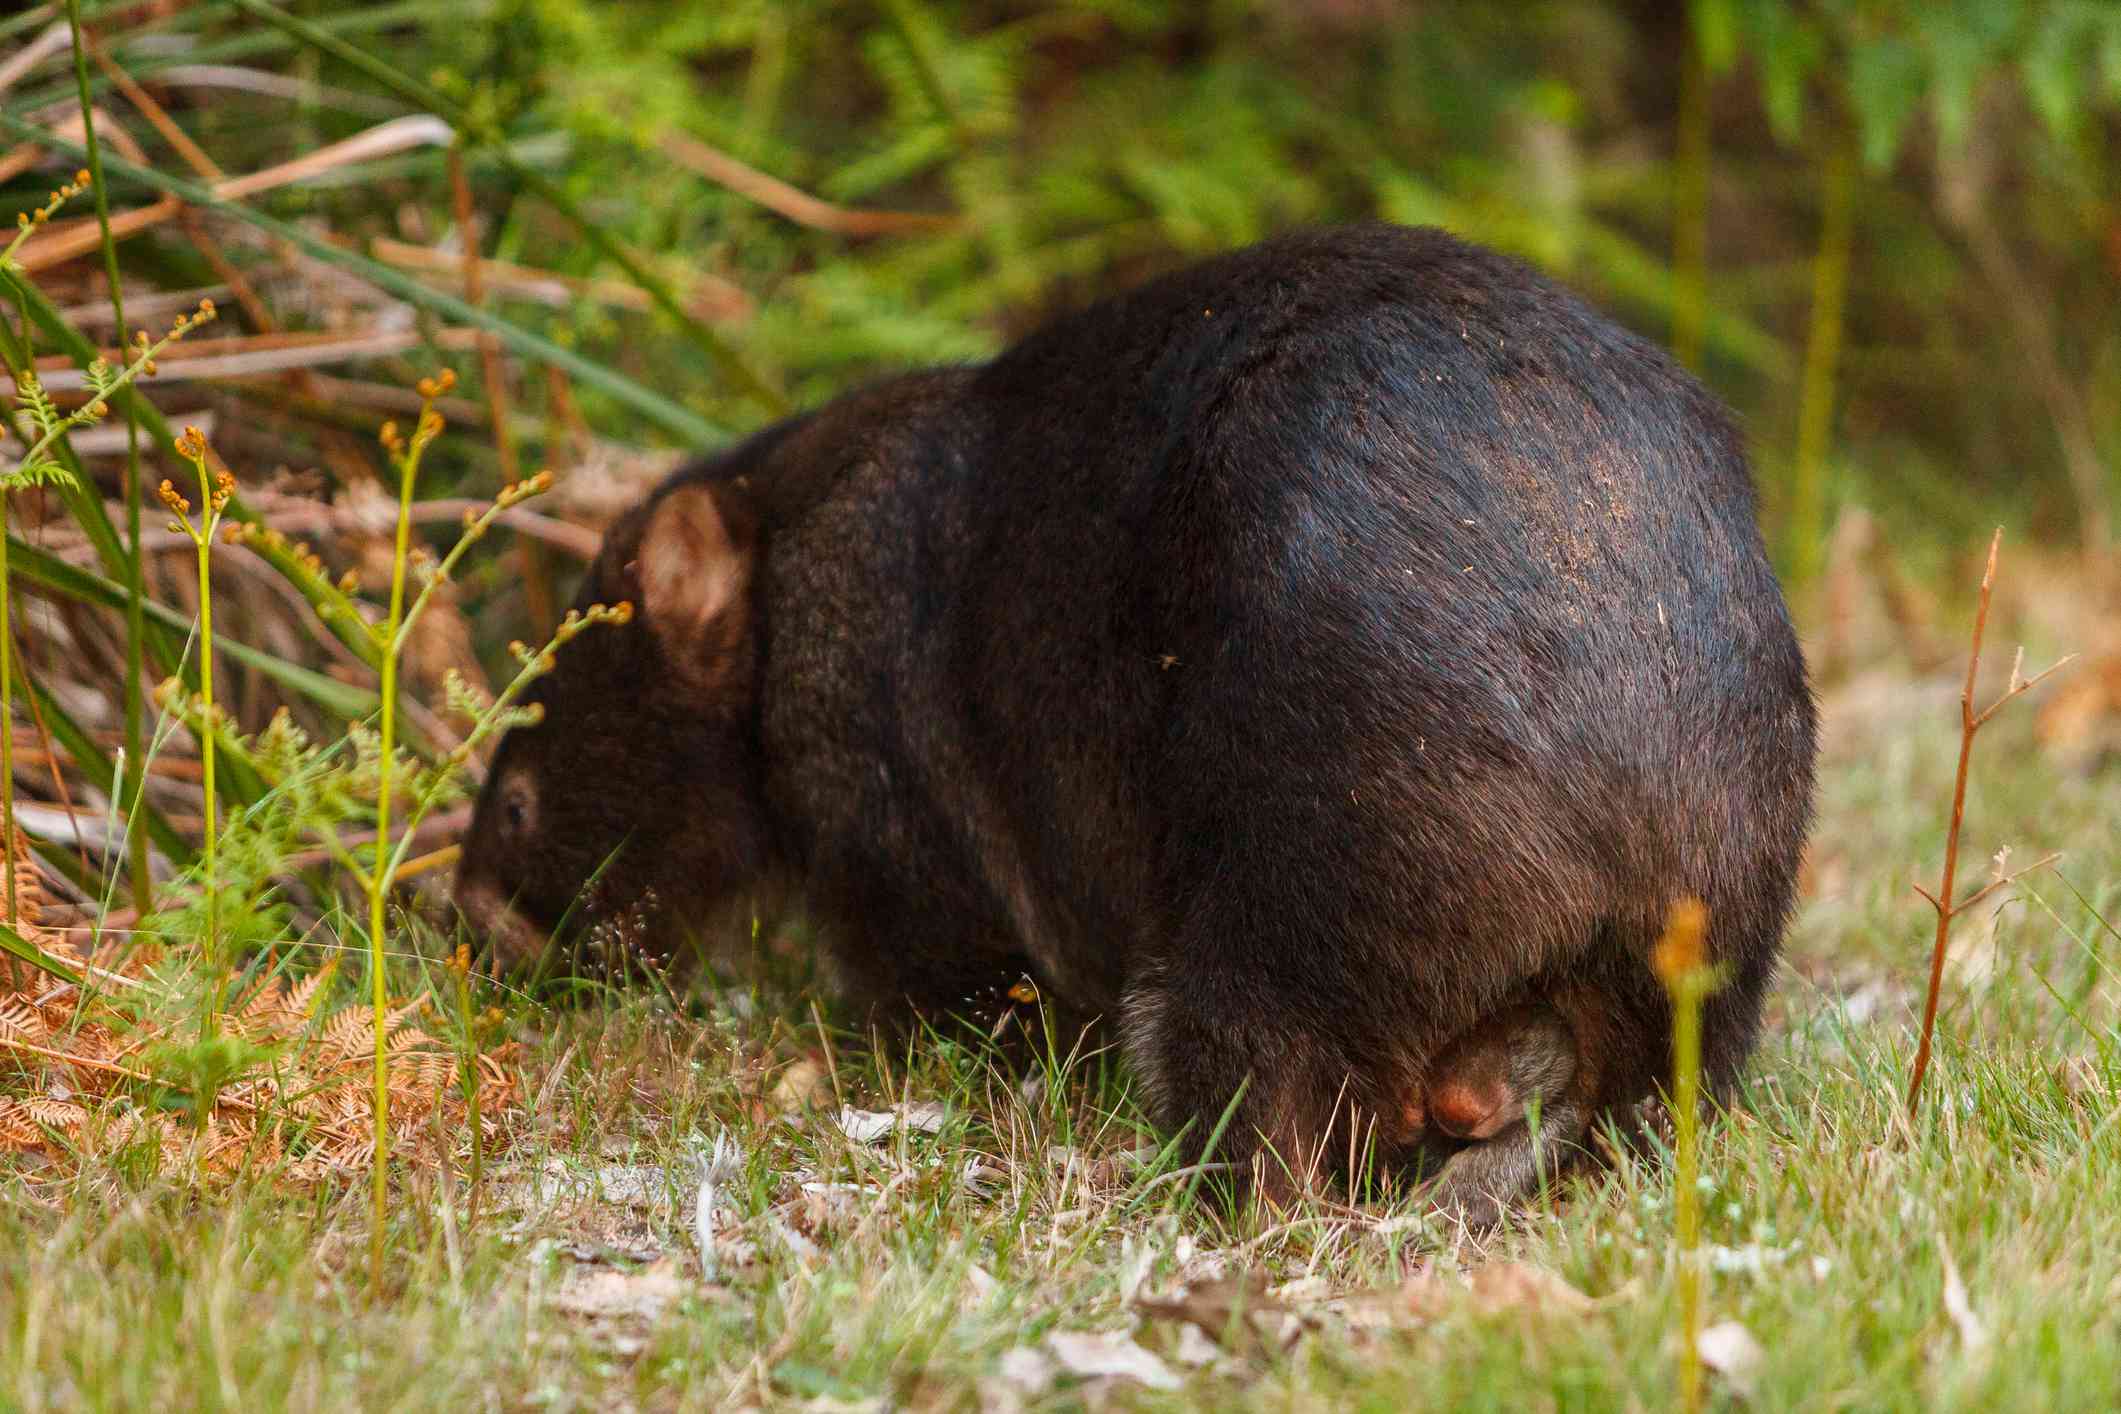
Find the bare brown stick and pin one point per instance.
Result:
(51, 758)
(297, 516)
(29, 56)
(194, 155)
(797, 205)
(59, 245)
(1970, 722)
(258, 354)
(202, 165)
(709, 296)
(475, 295)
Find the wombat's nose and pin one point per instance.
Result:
(512, 939)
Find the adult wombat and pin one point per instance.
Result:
(1300, 659)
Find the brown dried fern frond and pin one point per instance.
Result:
(305, 1113)
(32, 900)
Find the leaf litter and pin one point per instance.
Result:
(295, 1094)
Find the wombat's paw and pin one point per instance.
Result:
(1649, 1124)
(1464, 1192)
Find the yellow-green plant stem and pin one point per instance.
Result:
(7, 721)
(1681, 963)
(1822, 357)
(379, 876)
(135, 612)
(1686, 1194)
(462, 968)
(216, 963)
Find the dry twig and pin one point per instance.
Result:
(797, 205)
(1970, 722)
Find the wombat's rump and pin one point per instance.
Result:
(1301, 658)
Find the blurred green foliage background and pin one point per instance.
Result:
(1966, 151)
(1888, 231)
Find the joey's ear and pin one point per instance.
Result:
(692, 567)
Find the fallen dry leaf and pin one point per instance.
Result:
(1506, 1286)
(1729, 1349)
(1238, 1311)
(1432, 1293)
(608, 1293)
(1196, 1349)
(1109, 1355)
(1027, 1370)
(871, 1126)
(804, 1085)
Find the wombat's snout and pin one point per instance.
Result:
(512, 939)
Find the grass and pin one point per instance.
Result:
(1037, 1207)
(1037, 1226)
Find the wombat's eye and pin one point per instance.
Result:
(519, 802)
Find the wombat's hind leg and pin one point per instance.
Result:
(1219, 1061)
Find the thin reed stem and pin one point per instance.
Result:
(379, 880)
(216, 963)
(214, 493)
(7, 720)
(135, 589)
(1680, 959)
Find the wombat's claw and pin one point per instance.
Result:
(1458, 1194)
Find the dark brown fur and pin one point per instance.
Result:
(1300, 659)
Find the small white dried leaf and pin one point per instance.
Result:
(1109, 1354)
(1729, 1349)
(720, 1165)
(866, 1126)
(924, 1118)
(1195, 1348)
(870, 1126)
(1028, 1370)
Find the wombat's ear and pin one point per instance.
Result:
(693, 565)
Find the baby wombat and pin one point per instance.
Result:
(1299, 659)
(1521, 1085)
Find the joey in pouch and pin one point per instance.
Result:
(1304, 661)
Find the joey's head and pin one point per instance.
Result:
(626, 817)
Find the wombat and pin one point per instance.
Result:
(1299, 659)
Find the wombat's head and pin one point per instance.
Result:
(627, 815)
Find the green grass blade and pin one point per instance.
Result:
(21, 948)
(44, 568)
